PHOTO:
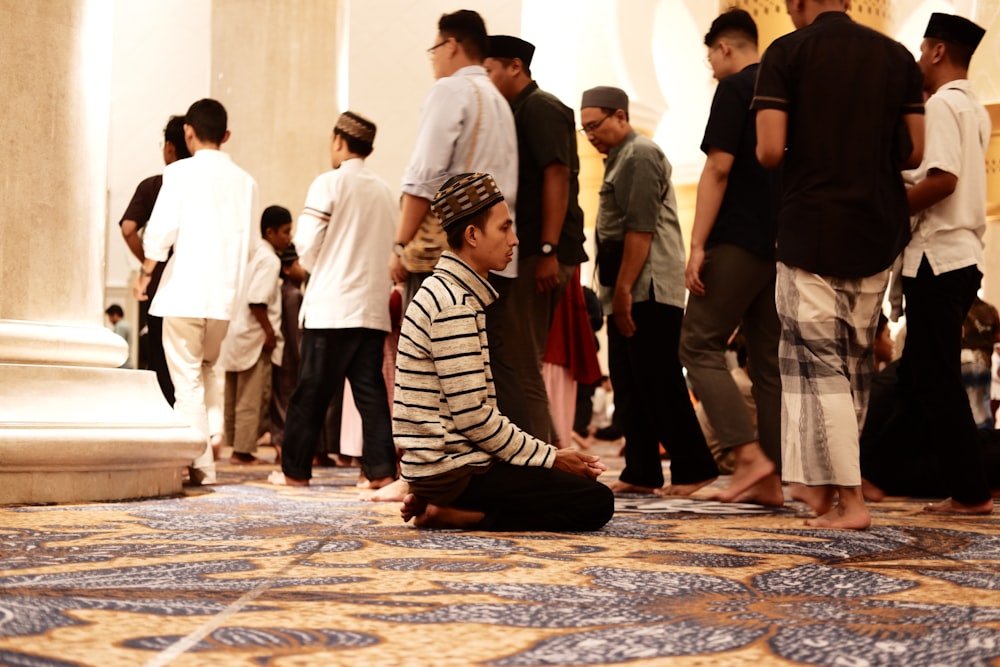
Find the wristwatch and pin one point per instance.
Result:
(549, 249)
(398, 249)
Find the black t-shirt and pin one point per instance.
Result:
(748, 214)
(139, 209)
(546, 133)
(846, 89)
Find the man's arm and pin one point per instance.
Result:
(555, 203)
(636, 251)
(915, 125)
(130, 232)
(711, 190)
(772, 137)
(411, 212)
(932, 189)
(259, 312)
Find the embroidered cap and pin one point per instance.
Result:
(356, 126)
(607, 97)
(505, 46)
(954, 28)
(463, 197)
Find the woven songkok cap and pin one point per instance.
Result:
(356, 126)
(607, 97)
(463, 197)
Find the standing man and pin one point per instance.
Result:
(843, 130)
(206, 211)
(730, 271)
(549, 220)
(940, 264)
(133, 221)
(342, 236)
(465, 126)
(640, 259)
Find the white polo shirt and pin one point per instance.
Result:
(206, 210)
(245, 337)
(343, 236)
(950, 233)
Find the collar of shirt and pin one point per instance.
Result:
(471, 70)
(451, 264)
(523, 95)
(351, 164)
(211, 154)
(614, 152)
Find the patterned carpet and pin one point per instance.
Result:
(246, 573)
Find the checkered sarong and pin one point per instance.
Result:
(825, 357)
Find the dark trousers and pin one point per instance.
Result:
(510, 397)
(158, 360)
(530, 498)
(930, 374)
(652, 400)
(329, 356)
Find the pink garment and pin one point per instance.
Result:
(561, 388)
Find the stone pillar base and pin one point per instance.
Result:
(76, 434)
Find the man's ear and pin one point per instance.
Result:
(470, 235)
(225, 138)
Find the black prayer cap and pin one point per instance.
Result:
(955, 29)
(506, 46)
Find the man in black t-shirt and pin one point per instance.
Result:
(134, 219)
(840, 106)
(549, 221)
(730, 271)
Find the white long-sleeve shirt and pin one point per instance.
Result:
(206, 210)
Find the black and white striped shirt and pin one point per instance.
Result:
(444, 412)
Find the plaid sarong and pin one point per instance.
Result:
(825, 357)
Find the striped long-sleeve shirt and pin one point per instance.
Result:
(444, 411)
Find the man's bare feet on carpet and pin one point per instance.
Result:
(752, 467)
(682, 490)
(277, 477)
(818, 498)
(854, 517)
(390, 493)
(767, 492)
(625, 487)
(242, 458)
(432, 516)
(871, 492)
(952, 506)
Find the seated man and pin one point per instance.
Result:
(468, 466)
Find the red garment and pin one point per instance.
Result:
(571, 340)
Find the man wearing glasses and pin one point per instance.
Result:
(640, 260)
(465, 126)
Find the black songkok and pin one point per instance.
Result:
(505, 46)
(955, 29)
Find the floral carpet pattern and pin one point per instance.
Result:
(245, 573)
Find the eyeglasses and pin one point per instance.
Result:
(592, 127)
(430, 51)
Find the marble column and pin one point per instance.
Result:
(73, 427)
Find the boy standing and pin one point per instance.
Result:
(254, 340)
(205, 210)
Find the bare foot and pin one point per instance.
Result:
(682, 490)
(818, 498)
(241, 458)
(625, 487)
(277, 454)
(952, 506)
(264, 439)
(448, 517)
(767, 492)
(390, 493)
(841, 516)
(752, 466)
(583, 442)
(413, 505)
(279, 478)
(871, 492)
(380, 482)
(324, 461)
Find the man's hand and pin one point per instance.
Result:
(692, 274)
(139, 288)
(547, 273)
(621, 310)
(397, 271)
(579, 464)
(270, 340)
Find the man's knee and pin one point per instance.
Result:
(597, 506)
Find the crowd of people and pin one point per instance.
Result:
(804, 210)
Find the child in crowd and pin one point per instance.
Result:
(254, 341)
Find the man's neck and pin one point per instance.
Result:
(945, 77)
(465, 255)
